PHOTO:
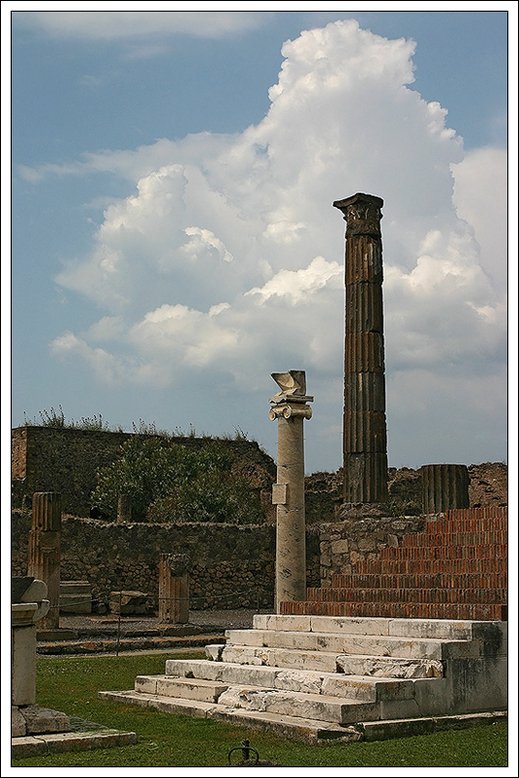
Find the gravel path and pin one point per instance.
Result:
(223, 619)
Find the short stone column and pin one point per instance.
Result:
(124, 509)
(444, 487)
(290, 407)
(44, 554)
(29, 605)
(173, 589)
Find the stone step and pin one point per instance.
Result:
(320, 707)
(417, 595)
(368, 688)
(283, 725)
(422, 581)
(390, 667)
(444, 629)
(296, 659)
(288, 726)
(410, 610)
(421, 698)
(201, 689)
(316, 642)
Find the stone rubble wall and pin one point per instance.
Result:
(231, 566)
(66, 459)
(342, 545)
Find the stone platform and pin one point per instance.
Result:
(324, 678)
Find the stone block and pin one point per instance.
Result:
(433, 695)
(288, 623)
(399, 709)
(279, 494)
(130, 603)
(23, 665)
(44, 720)
(75, 597)
(213, 651)
(310, 706)
(259, 621)
(146, 684)
(307, 681)
(431, 628)
(390, 667)
(340, 685)
(18, 727)
(190, 688)
(349, 625)
(36, 592)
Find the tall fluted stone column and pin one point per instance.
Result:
(444, 487)
(364, 418)
(173, 589)
(290, 407)
(44, 554)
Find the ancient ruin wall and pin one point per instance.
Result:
(231, 566)
(65, 460)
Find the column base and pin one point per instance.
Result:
(361, 510)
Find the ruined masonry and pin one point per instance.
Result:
(409, 642)
(34, 729)
(317, 674)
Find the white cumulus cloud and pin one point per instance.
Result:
(227, 257)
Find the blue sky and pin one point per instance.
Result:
(173, 240)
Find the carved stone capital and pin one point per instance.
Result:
(291, 410)
(362, 214)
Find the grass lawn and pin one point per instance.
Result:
(71, 684)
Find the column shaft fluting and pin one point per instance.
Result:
(44, 554)
(364, 417)
(444, 487)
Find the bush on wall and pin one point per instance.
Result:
(170, 482)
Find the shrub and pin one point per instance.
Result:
(170, 482)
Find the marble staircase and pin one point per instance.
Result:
(324, 677)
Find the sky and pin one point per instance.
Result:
(173, 240)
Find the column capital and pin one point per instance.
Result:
(292, 400)
(290, 410)
(362, 213)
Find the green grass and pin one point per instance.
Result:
(71, 684)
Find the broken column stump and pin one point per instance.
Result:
(44, 553)
(444, 487)
(173, 589)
